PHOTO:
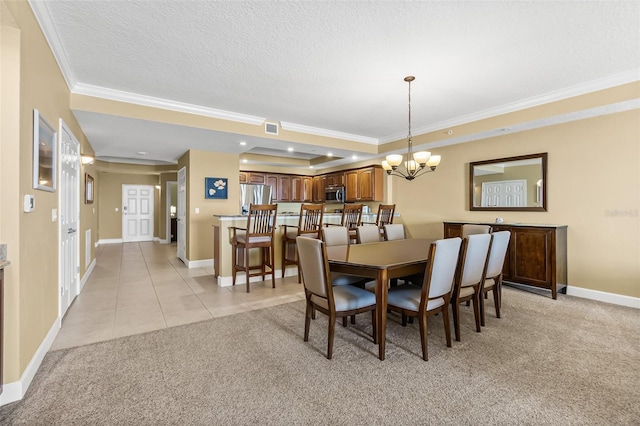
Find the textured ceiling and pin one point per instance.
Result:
(337, 66)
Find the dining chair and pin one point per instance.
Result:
(394, 232)
(333, 301)
(259, 233)
(384, 216)
(471, 267)
(434, 295)
(367, 234)
(493, 275)
(473, 229)
(351, 219)
(309, 225)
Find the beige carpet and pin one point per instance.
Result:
(564, 362)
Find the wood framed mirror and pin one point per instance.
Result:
(509, 184)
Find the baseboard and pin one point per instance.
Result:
(87, 274)
(240, 278)
(161, 241)
(199, 263)
(15, 391)
(601, 296)
(110, 241)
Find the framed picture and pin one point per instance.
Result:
(88, 188)
(215, 188)
(44, 154)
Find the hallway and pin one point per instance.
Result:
(141, 287)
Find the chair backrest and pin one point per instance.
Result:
(352, 215)
(313, 266)
(310, 219)
(441, 267)
(385, 214)
(472, 229)
(336, 240)
(261, 220)
(394, 232)
(497, 253)
(367, 234)
(475, 249)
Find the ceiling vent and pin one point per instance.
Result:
(271, 128)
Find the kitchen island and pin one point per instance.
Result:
(222, 248)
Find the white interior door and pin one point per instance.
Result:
(182, 214)
(69, 217)
(137, 213)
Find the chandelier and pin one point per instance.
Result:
(416, 163)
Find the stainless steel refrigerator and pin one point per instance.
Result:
(253, 194)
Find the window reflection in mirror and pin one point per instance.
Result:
(511, 184)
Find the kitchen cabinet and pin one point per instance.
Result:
(284, 188)
(307, 189)
(319, 184)
(297, 189)
(256, 178)
(536, 256)
(364, 184)
(243, 177)
(335, 179)
(272, 181)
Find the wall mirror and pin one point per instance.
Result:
(509, 184)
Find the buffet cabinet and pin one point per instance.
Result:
(536, 256)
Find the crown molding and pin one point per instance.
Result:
(568, 92)
(328, 133)
(41, 12)
(150, 101)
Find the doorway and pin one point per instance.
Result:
(137, 213)
(172, 212)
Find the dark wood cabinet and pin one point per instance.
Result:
(243, 177)
(537, 254)
(335, 179)
(284, 188)
(307, 189)
(364, 184)
(297, 189)
(319, 184)
(272, 181)
(256, 178)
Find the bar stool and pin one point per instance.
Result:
(384, 217)
(351, 219)
(309, 225)
(259, 233)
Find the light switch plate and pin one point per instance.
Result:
(54, 215)
(29, 203)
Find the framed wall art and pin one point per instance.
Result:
(44, 154)
(215, 188)
(88, 188)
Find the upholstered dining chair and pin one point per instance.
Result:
(473, 258)
(434, 295)
(493, 274)
(367, 234)
(473, 229)
(394, 232)
(351, 219)
(384, 216)
(259, 233)
(333, 301)
(309, 225)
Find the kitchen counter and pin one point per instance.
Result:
(222, 250)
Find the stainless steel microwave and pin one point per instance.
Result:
(334, 194)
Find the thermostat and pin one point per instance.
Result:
(29, 203)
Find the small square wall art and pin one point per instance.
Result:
(215, 188)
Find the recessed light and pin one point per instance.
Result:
(354, 157)
(244, 160)
(243, 143)
(329, 154)
(290, 149)
(311, 167)
(141, 153)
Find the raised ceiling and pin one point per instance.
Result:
(329, 68)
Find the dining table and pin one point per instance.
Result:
(382, 261)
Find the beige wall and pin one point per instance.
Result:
(30, 79)
(592, 173)
(201, 164)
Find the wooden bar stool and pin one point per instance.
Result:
(309, 225)
(259, 233)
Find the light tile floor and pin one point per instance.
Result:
(140, 287)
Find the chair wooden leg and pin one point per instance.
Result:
(284, 256)
(332, 329)
(272, 265)
(496, 300)
(246, 267)
(375, 328)
(447, 327)
(422, 318)
(456, 318)
(404, 320)
(263, 261)
(353, 319)
(344, 321)
(307, 320)
(234, 250)
(476, 310)
(482, 308)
